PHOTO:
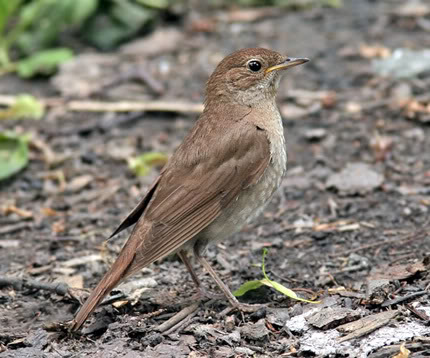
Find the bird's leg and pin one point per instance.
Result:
(202, 291)
(183, 255)
(231, 299)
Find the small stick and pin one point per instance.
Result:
(185, 312)
(127, 106)
(118, 106)
(398, 300)
(59, 288)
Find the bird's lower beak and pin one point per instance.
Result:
(289, 62)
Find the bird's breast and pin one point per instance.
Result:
(251, 200)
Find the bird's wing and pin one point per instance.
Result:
(197, 185)
(137, 212)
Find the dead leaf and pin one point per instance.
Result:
(372, 51)
(75, 281)
(20, 212)
(418, 110)
(118, 304)
(49, 212)
(79, 183)
(404, 352)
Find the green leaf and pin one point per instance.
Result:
(82, 10)
(7, 8)
(43, 62)
(13, 154)
(131, 15)
(158, 4)
(277, 286)
(286, 291)
(25, 106)
(143, 164)
(252, 285)
(248, 286)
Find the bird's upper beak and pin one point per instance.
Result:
(289, 62)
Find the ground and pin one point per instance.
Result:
(350, 225)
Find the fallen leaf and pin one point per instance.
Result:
(142, 164)
(372, 51)
(25, 106)
(21, 212)
(43, 62)
(13, 154)
(248, 286)
(404, 352)
(79, 183)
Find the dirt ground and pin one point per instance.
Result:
(350, 225)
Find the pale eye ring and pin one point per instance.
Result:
(254, 65)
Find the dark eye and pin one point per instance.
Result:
(254, 65)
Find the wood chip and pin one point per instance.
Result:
(82, 260)
(365, 325)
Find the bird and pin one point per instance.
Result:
(219, 178)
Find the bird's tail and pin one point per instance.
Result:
(122, 267)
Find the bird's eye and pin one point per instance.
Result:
(254, 65)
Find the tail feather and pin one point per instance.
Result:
(122, 267)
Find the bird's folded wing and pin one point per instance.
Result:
(194, 188)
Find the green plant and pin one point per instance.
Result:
(31, 27)
(143, 164)
(253, 285)
(13, 154)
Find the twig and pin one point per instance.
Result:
(127, 106)
(19, 284)
(185, 312)
(10, 229)
(119, 106)
(398, 300)
(419, 313)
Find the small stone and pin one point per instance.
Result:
(244, 351)
(356, 178)
(277, 316)
(255, 331)
(315, 134)
(407, 211)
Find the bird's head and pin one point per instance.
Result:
(249, 76)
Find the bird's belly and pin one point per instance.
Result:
(250, 203)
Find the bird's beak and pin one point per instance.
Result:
(289, 62)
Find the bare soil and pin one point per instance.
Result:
(360, 243)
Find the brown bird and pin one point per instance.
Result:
(220, 177)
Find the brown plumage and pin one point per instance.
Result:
(221, 176)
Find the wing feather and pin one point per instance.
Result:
(191, 196)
